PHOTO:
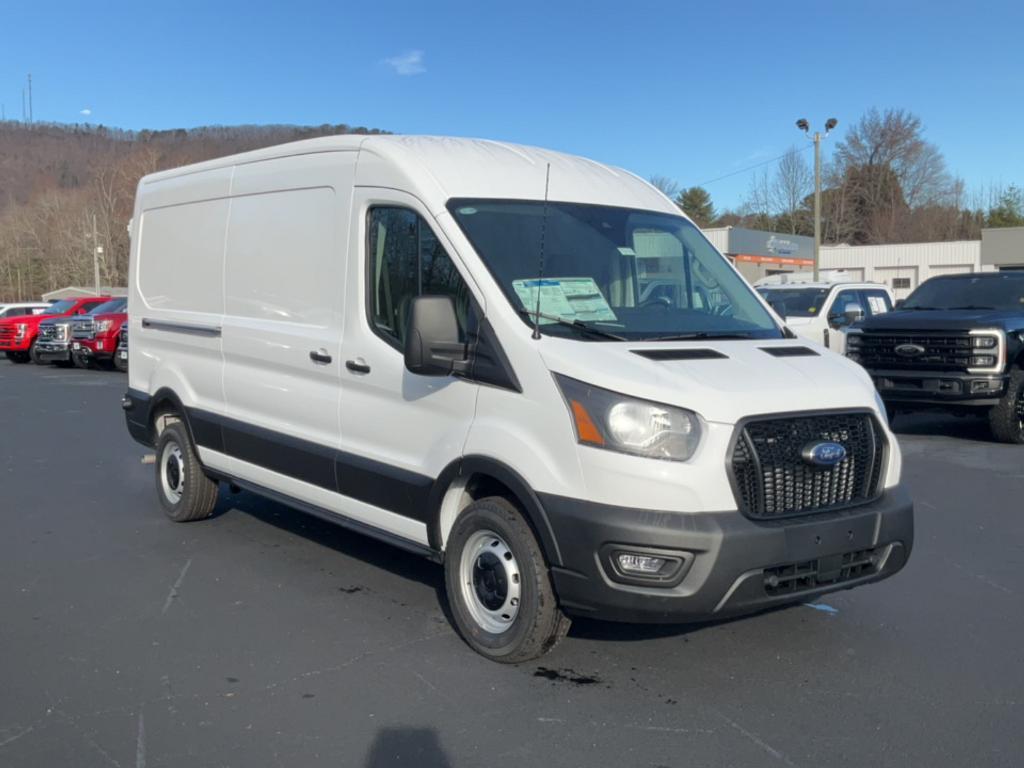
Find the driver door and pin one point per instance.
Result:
(399, 430)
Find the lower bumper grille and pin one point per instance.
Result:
(810, 574)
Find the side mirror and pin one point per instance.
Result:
(432, 346)
(853, 313)
(898, 304)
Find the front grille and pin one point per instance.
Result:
(48, 333)
(7, 332)
(773, 480)
(83, 328)
(949, 351)
(799, 577)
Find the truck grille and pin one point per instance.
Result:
(950, 351)
(7, 332)
(772, 480)
(83, 328)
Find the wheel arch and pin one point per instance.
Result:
(474, 477)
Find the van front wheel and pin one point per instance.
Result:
(498, 585)
(185, 492)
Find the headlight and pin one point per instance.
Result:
(62, 332)
(103, 326)
(988, 351)
(20, 330)
(605, 419)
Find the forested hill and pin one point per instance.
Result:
(54, 178)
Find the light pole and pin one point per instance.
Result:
(804, 126)
(97, 251)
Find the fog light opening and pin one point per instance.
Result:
(643, 565)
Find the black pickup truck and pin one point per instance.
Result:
(957, 344)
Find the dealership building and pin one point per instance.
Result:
(902, 267)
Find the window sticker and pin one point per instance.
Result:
(572, 298)
(877, 305)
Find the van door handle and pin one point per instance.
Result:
(319, 356)
(357, 366)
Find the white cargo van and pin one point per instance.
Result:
(441, 343)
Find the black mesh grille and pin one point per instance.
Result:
(773, 480)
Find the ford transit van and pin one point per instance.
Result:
(442, 343)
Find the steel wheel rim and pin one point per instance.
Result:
(490, 581)
(172, 472)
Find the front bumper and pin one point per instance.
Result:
(53, 351)
(931, 388)
(731, 565)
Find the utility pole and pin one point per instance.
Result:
(30, 98)
(97, 250)
(804, 126)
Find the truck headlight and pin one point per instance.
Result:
(19, 331)
(103, 326)
(988, 351)
(605, 419)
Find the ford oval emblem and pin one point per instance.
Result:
(909, 350)
(823, 454)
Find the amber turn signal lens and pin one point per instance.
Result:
(585, 427)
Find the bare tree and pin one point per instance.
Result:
(667, 186)
(789, 189)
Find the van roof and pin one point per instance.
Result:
(437, 168)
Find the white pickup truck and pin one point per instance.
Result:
(824, 311)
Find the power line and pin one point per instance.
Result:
(752, 167)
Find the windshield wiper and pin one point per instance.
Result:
(972, 306)
(579, 325)
(699, 335)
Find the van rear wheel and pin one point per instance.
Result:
(498, 585)
(185, 492)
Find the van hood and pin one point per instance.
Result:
(940, 320)
(746, 380)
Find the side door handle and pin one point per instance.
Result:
(357, 366)
(319, 356)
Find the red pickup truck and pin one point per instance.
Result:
(19, 336)
(95, 336)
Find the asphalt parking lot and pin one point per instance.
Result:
(263, 637)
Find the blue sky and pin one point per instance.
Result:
(693, 91)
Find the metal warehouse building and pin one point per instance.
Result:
(902, 267)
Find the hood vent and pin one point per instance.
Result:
(680, 354)
(790, 351)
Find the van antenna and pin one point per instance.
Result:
(540, 268)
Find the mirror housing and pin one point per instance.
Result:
(432, 346)
(898, 304)
(851, 314)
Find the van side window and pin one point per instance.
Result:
(407, 260)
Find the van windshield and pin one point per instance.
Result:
(624, 273)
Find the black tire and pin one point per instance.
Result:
(184, 490)
(119, 364)
(1006, 419)
(33, 354)
(18, 357)
(534, 624)
(81, 360)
